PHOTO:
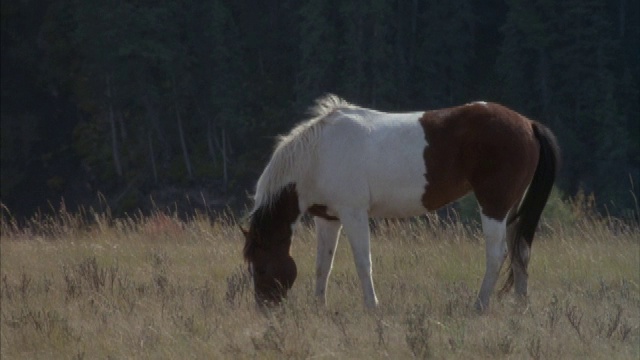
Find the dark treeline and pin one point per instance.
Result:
(130, 97)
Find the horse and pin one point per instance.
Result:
(347, 163)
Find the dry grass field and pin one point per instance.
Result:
(159, 288)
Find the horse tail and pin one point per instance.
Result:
(528, 214)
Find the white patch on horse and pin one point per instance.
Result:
(496, 250)
(295, 151)
(373, 160)
(483, 103)
(369, 158)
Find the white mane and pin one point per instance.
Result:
(294, 151)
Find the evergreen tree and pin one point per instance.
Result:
(444, 52)
(557, 63)
(319, 51)
(146, 94)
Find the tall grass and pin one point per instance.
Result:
(87, 285)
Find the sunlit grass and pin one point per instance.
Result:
(159, 287)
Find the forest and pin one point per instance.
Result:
(119, 102)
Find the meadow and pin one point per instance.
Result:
(156, 287)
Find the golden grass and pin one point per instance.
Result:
(156, 287)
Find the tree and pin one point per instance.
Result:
(557, 63)
(133, 96)
(443, 52)
(319, 49)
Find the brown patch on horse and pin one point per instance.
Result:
(268, 244)
(480, 147)
(321, 211)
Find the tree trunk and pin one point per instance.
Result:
(211, 134)
(115, 150)
(123, 129)
(225, 177)
(210, 145)
(183, 143)
(152, 157)
(152, 117)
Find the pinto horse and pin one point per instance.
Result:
(349, 163)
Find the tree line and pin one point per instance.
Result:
(123, 97)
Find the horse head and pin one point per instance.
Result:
(271, 266)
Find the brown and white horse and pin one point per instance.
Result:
(348, 163)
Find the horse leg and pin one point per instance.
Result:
(327, 232)
(520, 276)
(496, 250)
(356, 226)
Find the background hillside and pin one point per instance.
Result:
(154, 101)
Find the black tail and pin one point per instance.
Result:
(528, 214)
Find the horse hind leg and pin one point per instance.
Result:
(519, 274)
(495, 251)
(327, 233)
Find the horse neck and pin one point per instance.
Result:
(273, 221)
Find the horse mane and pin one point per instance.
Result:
(294, 151)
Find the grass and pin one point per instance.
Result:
(157, 287)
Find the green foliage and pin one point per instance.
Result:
(468, 208)
(559, 210)
(144, 90)
(560, 62)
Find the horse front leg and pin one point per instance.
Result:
(327, 233)
(356, 226)
(495, 251)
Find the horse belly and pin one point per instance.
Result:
(397, 203)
